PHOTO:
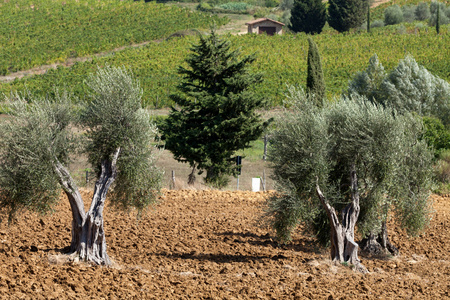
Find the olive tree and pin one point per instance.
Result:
(367, 83)
(409, 87)
(353, 159)
(38, 140)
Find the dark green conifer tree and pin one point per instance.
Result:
(308, 16)
(438, 19)
(315, 83)
(346, 14)
(215, 114)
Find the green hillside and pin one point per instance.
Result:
(39, 32)
(282, 59)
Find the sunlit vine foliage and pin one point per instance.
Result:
(40, 32)
(282, 60)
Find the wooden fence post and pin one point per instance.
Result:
(173, 179)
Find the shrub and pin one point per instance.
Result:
(235, 6)
(367, 83)
(393, 15)
(271, 3)
(419, 26)
(286, 4)
(411, 87)
(377, 23)
(203, 6)
(409, 13)
(272, 17)
(422, 11)
(286, 18)
(401, 29)
(442, 167)
(259, 12)
(436, 135)
(444, 19)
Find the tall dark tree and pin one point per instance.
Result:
(38, 141)
(438, 19)
(308, 16)
(346, 14)
(315, 83)
(215, 114)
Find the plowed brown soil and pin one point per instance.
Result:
(209, 245)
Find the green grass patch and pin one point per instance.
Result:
(255, 152)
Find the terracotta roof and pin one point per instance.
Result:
(262, 20)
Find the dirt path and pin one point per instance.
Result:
(211, 245)
(69, 62)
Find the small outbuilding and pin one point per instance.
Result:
(270, 27)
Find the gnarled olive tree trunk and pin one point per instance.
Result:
(88, 235)
(377, 244)
(344, 249)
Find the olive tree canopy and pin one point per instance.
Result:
(38, 140)
(353, 157)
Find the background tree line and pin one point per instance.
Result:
(310, 16)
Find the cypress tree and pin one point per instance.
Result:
(346, 14)
(315, 83)
(308, 16)
(368, 15)
(438, 19)
(216, 114)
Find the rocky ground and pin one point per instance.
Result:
(212, 245)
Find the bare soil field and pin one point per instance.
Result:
(211, 245)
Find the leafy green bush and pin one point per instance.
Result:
(286, 4)
(393, 15)
(444, 18)
(377, 23)
(235, 6)
(442, 172)
(409, 13)
(204, 6)
(419, 26)
(271, 3)
(436, 135)
(422, 11)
